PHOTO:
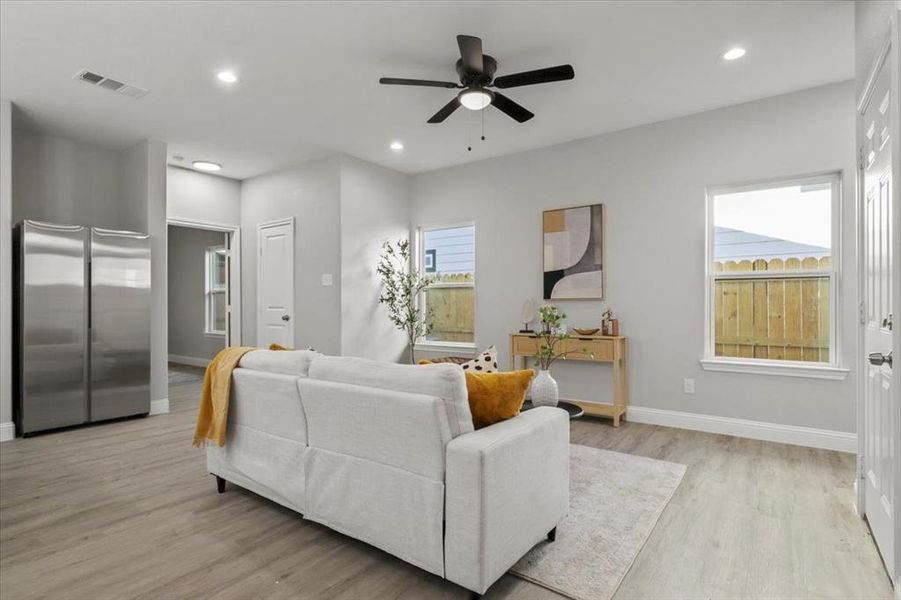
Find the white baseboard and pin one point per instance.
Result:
(159, 407)
(189, 360)
(755, 430)
(7, 431)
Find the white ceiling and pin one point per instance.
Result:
(309, 71)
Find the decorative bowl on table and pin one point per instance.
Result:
(586, 331)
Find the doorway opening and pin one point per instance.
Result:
(203, 296)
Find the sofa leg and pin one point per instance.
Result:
(220, 484)
(475, 596)
(552, 535)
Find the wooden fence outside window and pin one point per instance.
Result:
(785, 318)
(451, 307)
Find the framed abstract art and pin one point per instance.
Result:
(573, 242)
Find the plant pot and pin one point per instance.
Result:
(544, 389)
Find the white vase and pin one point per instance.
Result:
(544, 389)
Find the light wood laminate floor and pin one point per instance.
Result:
(127, 510)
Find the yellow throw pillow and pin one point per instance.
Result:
(495, 397)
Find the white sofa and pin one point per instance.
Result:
(387, 454)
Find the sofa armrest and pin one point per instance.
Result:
(507, 487)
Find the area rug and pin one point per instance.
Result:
(615, 502)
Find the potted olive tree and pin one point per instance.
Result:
(550, 334)
(402, 287)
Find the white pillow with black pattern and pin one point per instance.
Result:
(485, 362)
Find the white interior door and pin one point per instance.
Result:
(228, 288)
(881, 465)
(275, 283)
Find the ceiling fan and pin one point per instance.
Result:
(476, 71)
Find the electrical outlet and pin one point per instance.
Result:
(688, 386)
(326, 279)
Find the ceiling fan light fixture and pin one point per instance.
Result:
(475, 99)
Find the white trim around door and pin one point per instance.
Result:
(233, 338)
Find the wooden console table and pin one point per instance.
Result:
(598, 349)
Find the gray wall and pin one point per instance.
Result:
(186, 282)
(64, 181)
(344, 209)
(195, 196)
(142, 184)
(5, 269)
(311, 193)
(652, 180)
(375, 207)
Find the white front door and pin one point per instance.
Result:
(880, 459)
(275, 283)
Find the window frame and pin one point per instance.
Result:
(209, 293)
(766, 366)
(419, 262)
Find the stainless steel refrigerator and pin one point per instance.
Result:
(82, 325)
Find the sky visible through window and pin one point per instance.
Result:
(801, 214)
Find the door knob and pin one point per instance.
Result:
(878, 358)
(887, 322)
(286, 317)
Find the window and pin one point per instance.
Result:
(772, 270)
(214, 300)
(448, 255)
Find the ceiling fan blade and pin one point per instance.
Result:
(446, 111)
(421, 82)
(511, 108)
(471, 52)
(559, 73)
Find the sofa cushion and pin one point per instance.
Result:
(485, 362)
(287, 362)
(267, 402)
(444, 381)
(496, 397)
(405, 431)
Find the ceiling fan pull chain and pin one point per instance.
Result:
(469, 132)
(483, 124)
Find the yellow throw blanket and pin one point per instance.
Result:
(217, 384)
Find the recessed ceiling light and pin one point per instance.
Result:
(205, 165)
(733, 53)
(397, 146)
(227, 76)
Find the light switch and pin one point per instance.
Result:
(326, 279)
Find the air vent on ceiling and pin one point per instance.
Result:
(132, 91)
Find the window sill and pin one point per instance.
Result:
(779, 368)
(214, 334)
(460, 347)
